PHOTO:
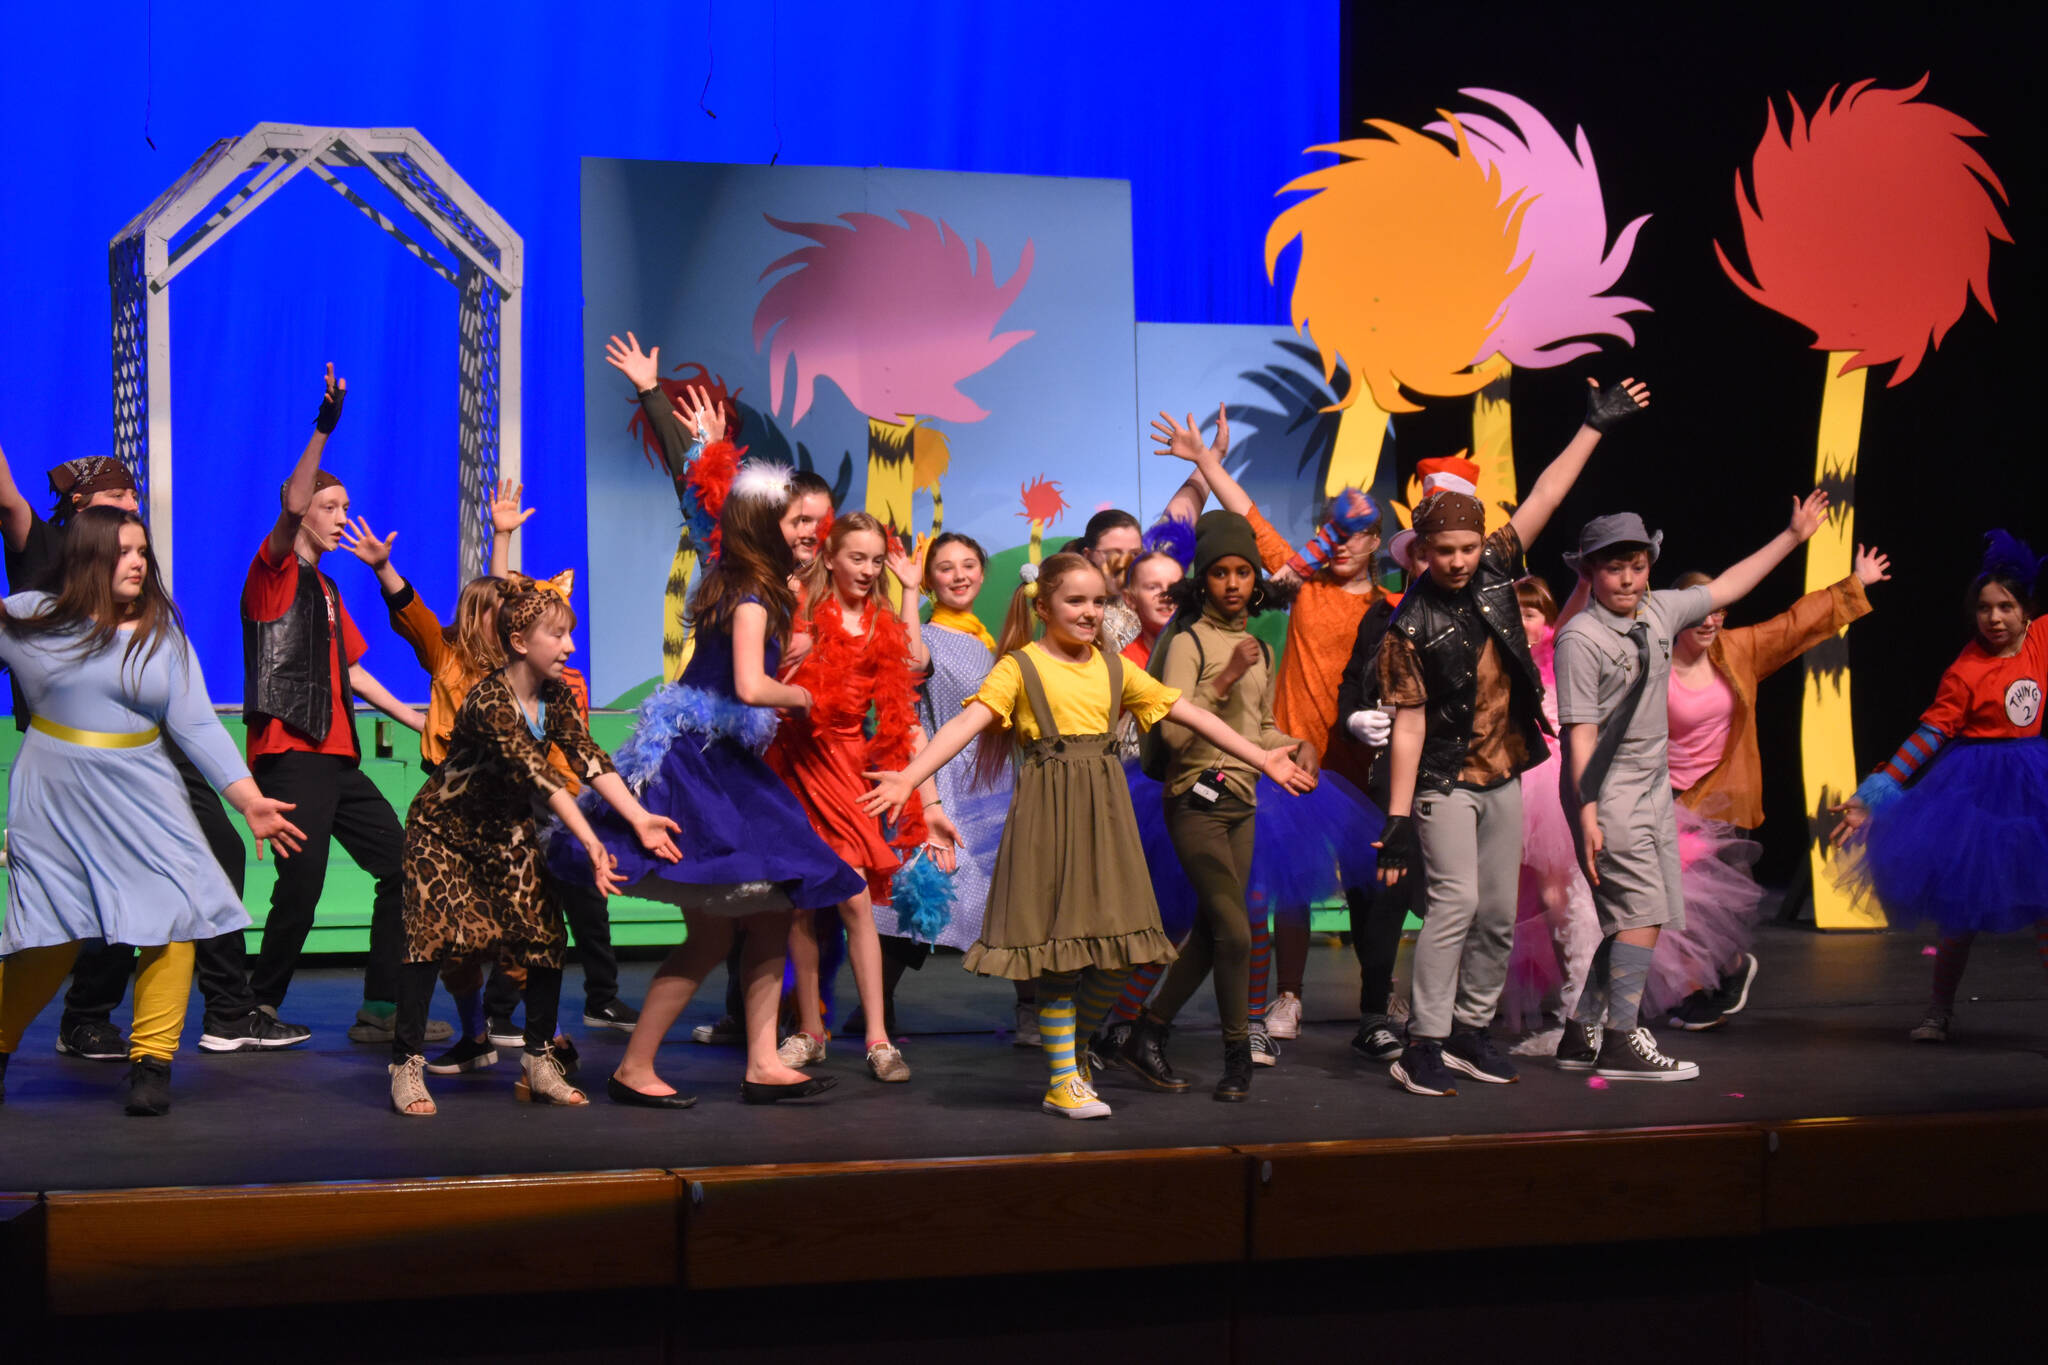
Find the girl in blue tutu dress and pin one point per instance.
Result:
(749, 853)
(1953, 824)
(102, 842)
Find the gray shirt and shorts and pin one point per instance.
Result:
(1596, 666)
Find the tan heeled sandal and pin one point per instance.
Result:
(409, 1087)
(541, 1081)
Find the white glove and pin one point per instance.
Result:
(1370, 728)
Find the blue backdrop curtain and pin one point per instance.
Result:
(1205, 107)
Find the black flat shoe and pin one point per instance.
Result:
(149, 1087)
(754, 1092)
(621, 1093)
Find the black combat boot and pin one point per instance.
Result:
(1144, 1053)
(1237, 1071)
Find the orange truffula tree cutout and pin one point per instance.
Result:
(1407, 256)
(1871, 224)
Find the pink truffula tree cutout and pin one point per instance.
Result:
(1870, 224)
(1562, 301)
(896, 314)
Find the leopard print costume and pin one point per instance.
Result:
(473, 878)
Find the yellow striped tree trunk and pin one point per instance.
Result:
(1827, 749)
(1493, 446)
(891, 476)
(676, 643)
(1355, 455)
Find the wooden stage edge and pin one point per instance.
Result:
(730, 1227)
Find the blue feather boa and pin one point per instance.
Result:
(922, 896)
(673, 712)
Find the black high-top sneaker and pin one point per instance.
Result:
(1633, 1056)
(1580, 1046)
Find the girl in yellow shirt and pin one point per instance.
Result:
(1069, 904)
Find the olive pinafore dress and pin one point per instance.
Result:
(1070, 889)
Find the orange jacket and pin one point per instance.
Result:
(1745, 656)
(449, 682)
(1322, 627)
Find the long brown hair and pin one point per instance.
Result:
(473, 635)
(1020, 627)
(817, 575)
(85, 595)
(753, 561)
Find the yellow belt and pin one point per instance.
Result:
(94, 739)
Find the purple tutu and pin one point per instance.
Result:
(1307, 849)
(1722, 901)
(747, 845)
(1170, 885)
(1963, 846)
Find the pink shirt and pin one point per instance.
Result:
(1699, 728)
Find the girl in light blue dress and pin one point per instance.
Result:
(101, 842)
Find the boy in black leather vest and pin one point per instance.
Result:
(301, 675)
(1468, 721)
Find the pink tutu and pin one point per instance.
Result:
(1547, 848)
(1722, 903)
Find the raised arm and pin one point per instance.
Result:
(365, 544)
(1606, 409)
(16, 516)
(298, 489)
(1737, 580)
(1184, 442)
(908, 569)
(1192, 496)
(507, 516)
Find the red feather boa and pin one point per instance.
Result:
(833, 672)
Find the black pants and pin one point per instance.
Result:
(100, 977)
(336, 800)
(416, 993)
(1377, 914)
(591, 923)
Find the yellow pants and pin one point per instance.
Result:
(29, 980)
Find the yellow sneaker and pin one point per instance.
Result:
(1072, 1098)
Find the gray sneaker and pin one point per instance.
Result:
(1932, 1029)
(1265, 1052)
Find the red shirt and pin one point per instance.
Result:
(1138, 652)
(268, 594)
(1986, 697)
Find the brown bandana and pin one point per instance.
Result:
(322, 480)
(1449, 511)
(93, 474)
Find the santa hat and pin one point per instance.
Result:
(1448, 474)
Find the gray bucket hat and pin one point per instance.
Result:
(1620, 528)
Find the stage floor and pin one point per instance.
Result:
(1824, 1036)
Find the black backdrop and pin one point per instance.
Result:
(1673, 105)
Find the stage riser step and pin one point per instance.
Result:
(759, 1226)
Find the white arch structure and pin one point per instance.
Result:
(474, 250)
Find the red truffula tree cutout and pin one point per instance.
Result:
(1870, 224)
